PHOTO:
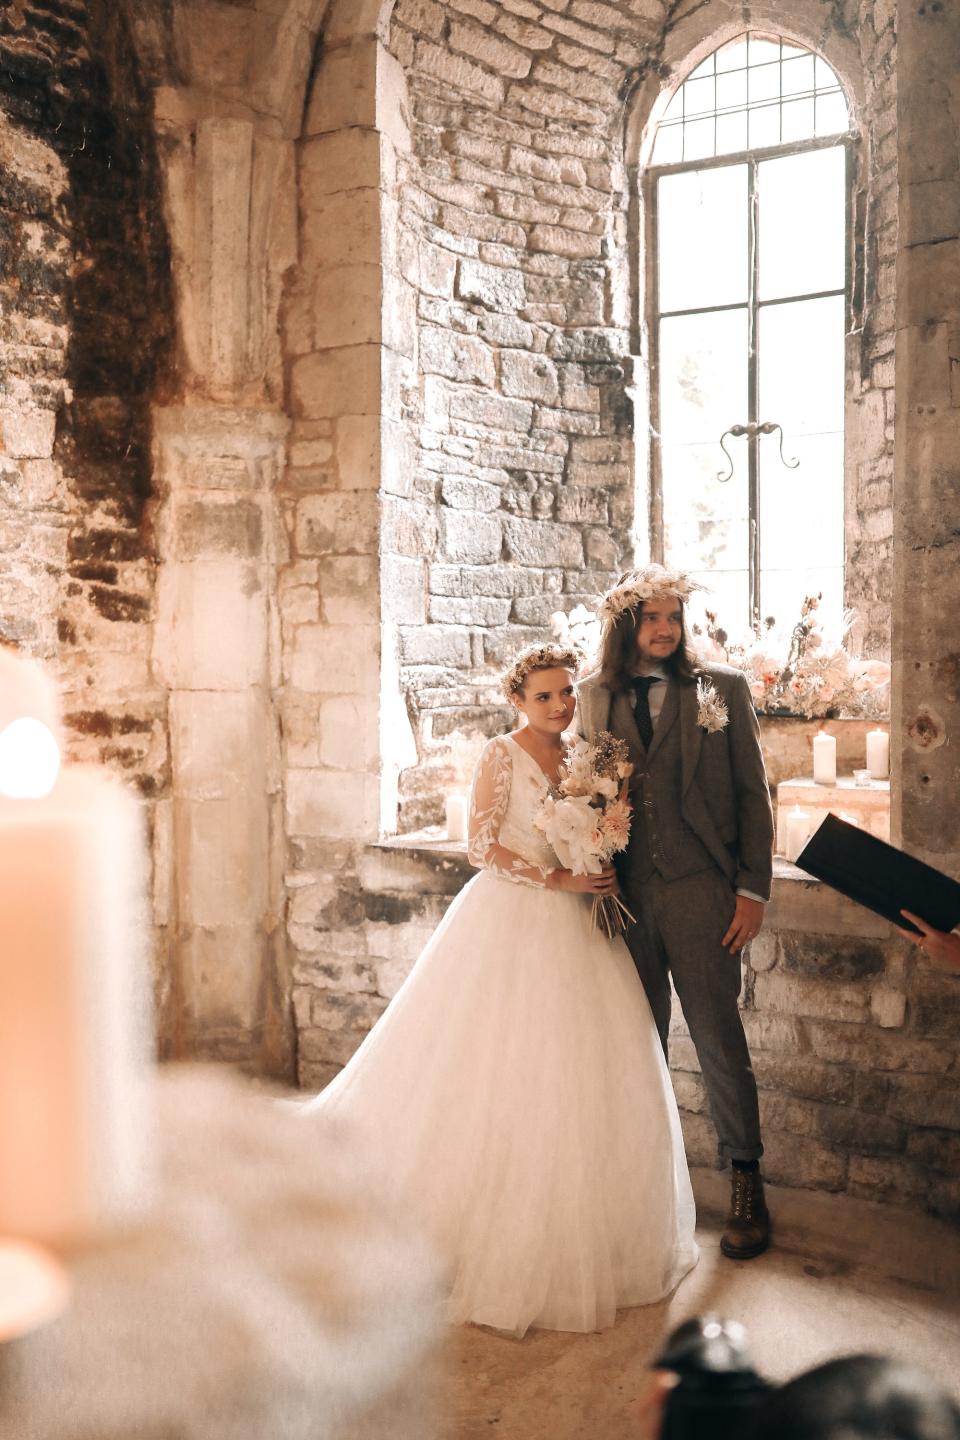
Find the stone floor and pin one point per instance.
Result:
(844, 1276)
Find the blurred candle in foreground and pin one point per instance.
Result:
(824, 759)
(33, 1288)
(457, 810)
(878, 754)
(75, 1052)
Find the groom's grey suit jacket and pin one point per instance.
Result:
(700, 798)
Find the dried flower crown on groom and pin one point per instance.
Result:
(537, 657)
(641, 585)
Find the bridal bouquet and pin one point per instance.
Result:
(586, 819)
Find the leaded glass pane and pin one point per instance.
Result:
(801, 227)
(691, 205)
(765, 76)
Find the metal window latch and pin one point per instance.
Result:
(766, 427)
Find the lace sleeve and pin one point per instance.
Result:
(488, 805)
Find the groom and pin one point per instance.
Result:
(697, 871)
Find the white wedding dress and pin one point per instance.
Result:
(516, 1092)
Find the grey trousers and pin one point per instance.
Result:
(680, 924)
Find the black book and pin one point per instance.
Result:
(879, 876)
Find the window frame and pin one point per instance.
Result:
(650, 175)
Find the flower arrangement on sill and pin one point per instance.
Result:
(804, 673)
(810, 676)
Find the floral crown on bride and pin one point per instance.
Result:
(537, 657)
(642, 585)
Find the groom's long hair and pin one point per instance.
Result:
(618, 652)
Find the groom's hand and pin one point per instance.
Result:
(745, 925)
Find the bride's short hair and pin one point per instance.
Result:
(537, 657)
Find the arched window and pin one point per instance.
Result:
(747, 198)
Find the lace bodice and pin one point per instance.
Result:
(508, 787)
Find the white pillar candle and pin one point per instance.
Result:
(878, 754)
(824, 759)
(75, 1049)
(457, 811)
(34, 1288)
(799, 823)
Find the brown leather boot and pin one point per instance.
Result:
(747, 1231)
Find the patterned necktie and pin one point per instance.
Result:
(641, 686)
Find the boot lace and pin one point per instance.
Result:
(745, 1194)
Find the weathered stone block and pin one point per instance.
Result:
(888, 1006)
(457, 357)
(461, 493)
(390, 975)
(808, 1079)
(334, 803)
(398, 942)
(346, 93)
(830, 958)
(492, 580)
(468, 537)
(555, 105)
(221, 848)
(459, 73)
(434, 645)
(212, 736)
(858, 1133)
(337, 523)
(603, 551)
(690, 1091)
(790, 1159)
(27, 433)
(500, 55)
(403, 589)
(408, 527)
(781, 1034)
(384, 867)
(888, 1178)
(534, 610)
(480, 407)
(346, 306)
(938, 1149)
(491, 286)
(576, 504)
(333, 383)
(340, 160)
(541, 542)
(216, 525)
(216, 610)
(349, 732)
(796, 995)
(336, 659)
(451, 610)
(699, 1138)
(530, 377)
(349, 589)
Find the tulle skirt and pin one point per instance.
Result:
(516, 1095)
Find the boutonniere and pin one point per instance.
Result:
(712, 714)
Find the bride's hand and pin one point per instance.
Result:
(603, 884)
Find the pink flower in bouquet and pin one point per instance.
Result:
(616, 824)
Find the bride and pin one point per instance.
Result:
(515, 1089)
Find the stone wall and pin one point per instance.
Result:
(926, 655)
(870, 354)
(852, 1039)
(87, 341)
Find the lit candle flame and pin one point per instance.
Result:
(29, 759)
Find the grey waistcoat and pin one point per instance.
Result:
(660, 838)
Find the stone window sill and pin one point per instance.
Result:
(797, 901)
